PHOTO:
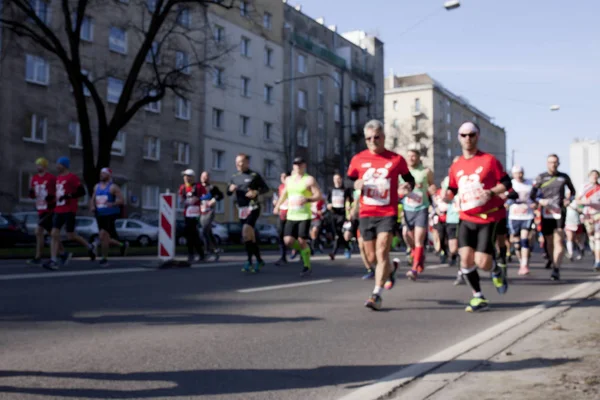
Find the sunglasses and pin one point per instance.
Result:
(469, 135)
(369, 138)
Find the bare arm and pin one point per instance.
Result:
(432, 188)
(281, 199)
(315, 190)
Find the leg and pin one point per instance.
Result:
(525, 251)
(105, 241)
(55, 239)
(570, 236)
(382, 254)
(39, 241)
(189, 232)
(559, 250)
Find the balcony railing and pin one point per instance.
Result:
(365, 76)
(319, 51)
(358, 101)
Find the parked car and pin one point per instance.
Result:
(219, 231)
(267, 233)
(13, 231)
(85, 227)
(29, 218)
(136, 231)
(234, 232)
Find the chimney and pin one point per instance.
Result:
(298, 7)
(333, 27)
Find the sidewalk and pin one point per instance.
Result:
(559, 360)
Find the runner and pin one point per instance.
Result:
(190, 193)
(549, 187)
(574, 232)
(68, 190)
(520, 217)
(375, 172)
(502, 246)
(337, 199)
(351, 231)
(247, 185)
(590, 198)
(478, 178)
(301, 190)
(416, 212)
(105, 202)
(282, 219)
(42, 189)
(207, 213)
(316, 209)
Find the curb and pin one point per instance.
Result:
(428, 376)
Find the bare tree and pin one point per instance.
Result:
(160, 29)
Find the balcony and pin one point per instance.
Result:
(318, 51)
(358, 101)
(361, 74)
(417, 111)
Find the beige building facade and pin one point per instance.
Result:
(422, 114)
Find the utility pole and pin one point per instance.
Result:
(512, 162)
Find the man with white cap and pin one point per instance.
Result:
(190, 193)
(106, 203)
(478, 179)
(520, 216)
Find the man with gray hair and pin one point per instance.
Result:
(375, 173)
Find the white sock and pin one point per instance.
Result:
(570, 248)
(478, 294)
(378, 290)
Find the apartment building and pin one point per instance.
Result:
(333, 84)
(584, 156)
(420, 113)
(244, 105)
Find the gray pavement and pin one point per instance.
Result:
(189, 333)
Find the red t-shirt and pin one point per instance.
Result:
(380, 172)
(42, 187)
(316, 209)
(472, 177)
(192, 208)
(66, 184)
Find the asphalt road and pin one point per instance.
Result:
(131, 332)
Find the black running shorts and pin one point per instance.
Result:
(370, 227)
(479, 237)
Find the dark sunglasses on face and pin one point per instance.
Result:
(374, 137)
(470, 135)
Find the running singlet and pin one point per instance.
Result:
(66, 184)
(297, 192)
(43, 186)
(103, 197)
(380, 172)
(591, 193)
(552, 188)
(472, 177)
(572, 220)
(520, 209)
(418, 199)
(338, 197)
(192, 206)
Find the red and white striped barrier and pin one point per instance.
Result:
(166, 228)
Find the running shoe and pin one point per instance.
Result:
(35, 261)
(332, 256)
(460, 279)
(306, 271)
(477, 304)
(396, 263)
(246, 267)
(347, 254)
(389, 284)
(412, 275)
(92, 252)
(500, 280)
(452, 262)
(369, 275)
(597, 266)
(280, 261)
(443, 258)
(555, 275)
(103, 262)
(579, 257)
(293, 255)
(374, 302)
(215, 256)
(548, 264)
(257, 266)
(523, 271)
(65, 258)
(124, 248)
(50, 265)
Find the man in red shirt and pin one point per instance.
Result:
(375, 173)
(68, 190)
(478, 178)
(42, 190)
(190, 193)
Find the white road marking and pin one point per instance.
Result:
(291, 285)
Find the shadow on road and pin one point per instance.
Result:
(226, 381)
(451, 304)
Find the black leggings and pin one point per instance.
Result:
(206, 222)
(192, 237)
(337, 223)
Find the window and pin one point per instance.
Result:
(268, 206)
(118, 146)
(245, 86)
(182, 62)
(353, 90)
(269, 168)
(218, 73)
(268, 131)
(218, 34)
(38, 129)
(417, 105)
(244, 125)
(150, 195)
(217, 118)
(395, 143)
(114, 89)
(86, 32)
(86, 91)
(245, 47)
(395, 105)
(154, 106)
(152, 53)
(25, 177)
(448, 136)
(41, 9)
(338, 79)
(321, 152)
(301, 63)
(302, 99)
(151, 148)
(184, 18)
(320, 92)
(183, 108)
(336, 112)
(353, 120)
(37, 70)
(182, 153)
(395, 124)
(268, 94)
(75, 135)
(302, 138)
(368, 94)
(218, 160)
(267, 20)
(117, 40)
(244, 8)
(448, 118)
(268, 57)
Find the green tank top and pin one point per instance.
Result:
(296, 191)
(418, 199)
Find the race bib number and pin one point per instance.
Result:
(520, 211)
(414, 199)
(60, 192)
(442, 206)
(296, 202)
(471, 198)
(40, 197)
(192, 211)
(41, 204)
(376, 191)
(101, 201)
(337, 200)
(552, 212)
(244, 212)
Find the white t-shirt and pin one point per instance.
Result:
(520, 210)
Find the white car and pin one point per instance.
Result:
(85, 227)
(219, 231)
(134, 230)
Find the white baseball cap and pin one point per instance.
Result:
(188, 172)
(517, 168)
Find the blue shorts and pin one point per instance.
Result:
(515, 226)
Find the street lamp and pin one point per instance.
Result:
(451, 5)
(555, 107)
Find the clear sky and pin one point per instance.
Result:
(512, 59)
